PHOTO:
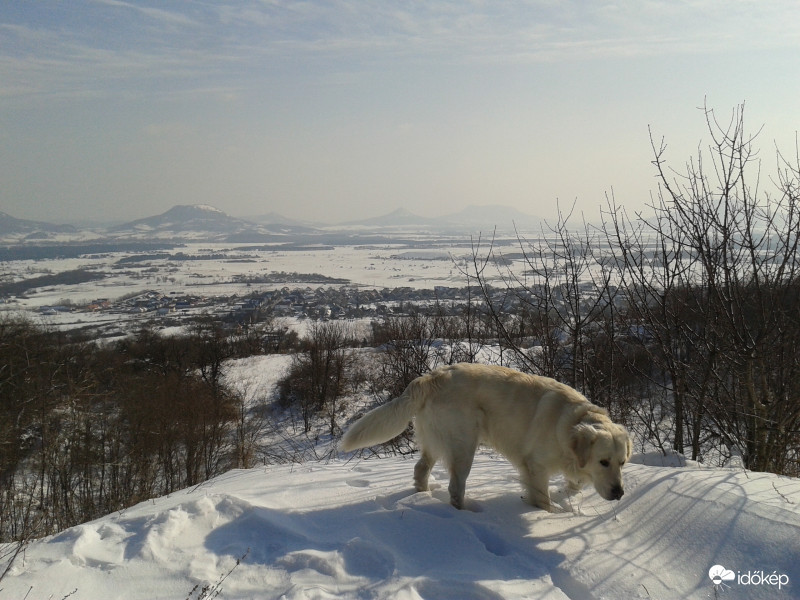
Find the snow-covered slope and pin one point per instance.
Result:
(182, 220)
(13, 230)
(354, 529)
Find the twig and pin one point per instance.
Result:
(788, 501)
(209, 591)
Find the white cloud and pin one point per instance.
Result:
(158, 14)
(441, 101)
(174, 46)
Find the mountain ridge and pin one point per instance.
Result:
(203, 222)
(187, 217)
(9, 224)
(490, 216)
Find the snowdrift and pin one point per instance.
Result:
(356, 530)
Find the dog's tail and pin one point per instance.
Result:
(386, 421)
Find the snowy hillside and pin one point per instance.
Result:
(354, 529)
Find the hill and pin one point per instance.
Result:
(494, 215)
(355, 529)
(274, 218)
(12, 225)
(469, 219)
(187, 218)
(399, 218)
(201, 222)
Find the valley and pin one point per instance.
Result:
(196, 261)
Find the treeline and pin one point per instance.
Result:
(45, 251)
(86, 430)
(73, 277)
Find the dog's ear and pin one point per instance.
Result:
(583, 436)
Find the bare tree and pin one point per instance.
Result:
(88, 430)
(713, 279)
(320, 373)
(550, 311)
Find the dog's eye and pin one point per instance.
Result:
(605, 463)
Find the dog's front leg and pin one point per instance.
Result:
(574, 486)
(537, 488)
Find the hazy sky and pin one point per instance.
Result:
(342, 109)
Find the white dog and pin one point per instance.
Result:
(541, 426)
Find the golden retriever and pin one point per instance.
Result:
(540, 425)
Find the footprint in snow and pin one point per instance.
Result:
(362, 558)
(359, 483)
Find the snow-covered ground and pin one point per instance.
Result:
(355, 529)
(199, 272)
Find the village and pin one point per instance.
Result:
(109, 318)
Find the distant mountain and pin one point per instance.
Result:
(398, 218)
(277, 219)
(196, 222)
(471, 218)
(187, 218)
(200, 222)
(493, 215)
(12, 225)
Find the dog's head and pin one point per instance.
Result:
(601, 448)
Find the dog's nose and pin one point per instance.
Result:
(617, 492)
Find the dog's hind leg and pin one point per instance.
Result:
(422, 471)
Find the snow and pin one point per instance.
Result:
(212, 269)
(352, 528)
(256, 377)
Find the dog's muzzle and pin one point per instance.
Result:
(617, 492)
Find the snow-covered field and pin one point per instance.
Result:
(354, 529)
(213, 270)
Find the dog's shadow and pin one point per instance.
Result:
(439, 492)
(435, 490)
(562, 498)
